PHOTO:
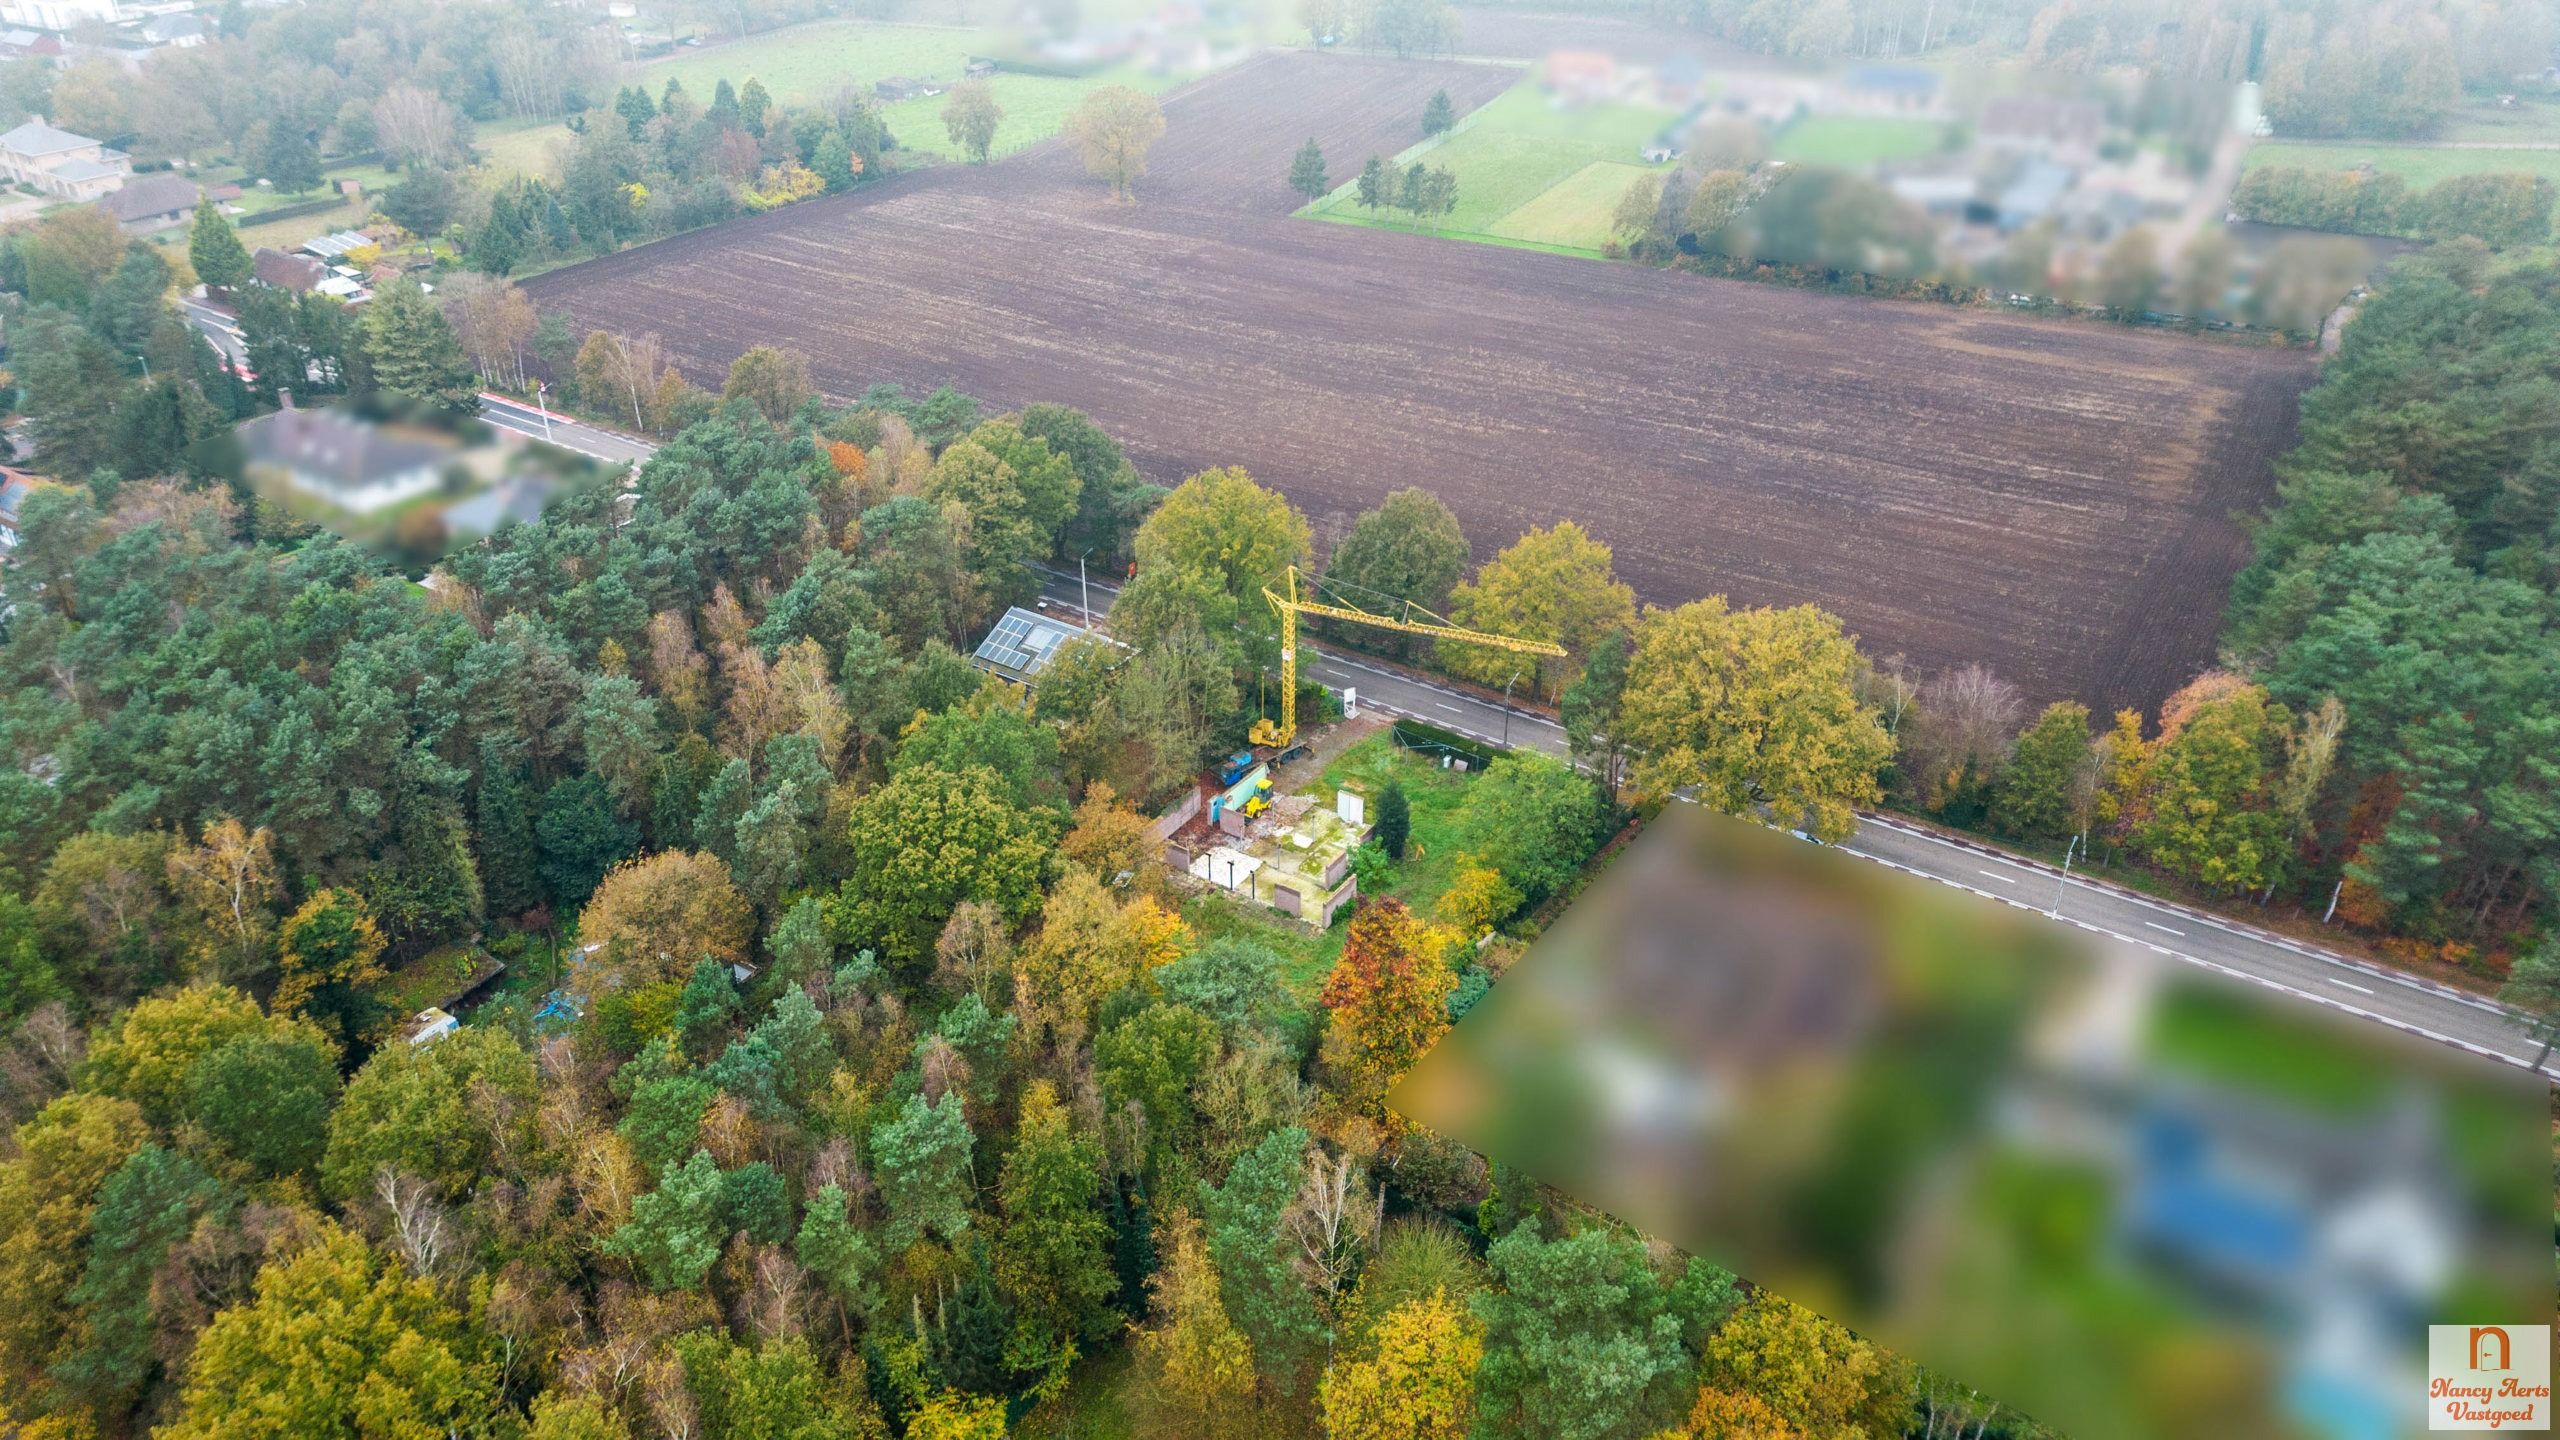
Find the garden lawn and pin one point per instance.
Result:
(1437, 799)
(2527, 122)
(2420, 165)
(1506, 155)
(1854, 142)
(807, 64)
(1574, 212)
(509, 148)
(2222, 1039)
(1035, 108)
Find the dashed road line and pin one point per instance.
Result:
(2334, 980)
(2165, 930)
(2003, 879)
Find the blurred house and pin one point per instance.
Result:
(29, 45)
(342, 459)
(1580, 77)
(300, 274)
(1904, 90)
(517, 499)
(1770, 98)
(2067, 132)
(58, 162)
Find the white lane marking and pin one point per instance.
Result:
(2003, 879)
(2483, 1051)
(2165, 930)
(2253, 937)
(2334, 980)
(1452, 709)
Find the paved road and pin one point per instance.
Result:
(2319, 977)
(560, 430)
(219, 328)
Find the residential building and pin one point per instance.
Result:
(2066, 132)
(57, 15)
(58, 162)
(1298, 865)
(1022, 643)
(1580, 77)
(337, 457)
(1888, 90)
(150, 203)
(298, 273)
(29, 45)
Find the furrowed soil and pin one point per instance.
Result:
(2057, 500)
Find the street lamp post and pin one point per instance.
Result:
(1506, 708)
(2058, 886)
(1084, 592)
(539, 387)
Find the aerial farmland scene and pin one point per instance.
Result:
(1355, 719)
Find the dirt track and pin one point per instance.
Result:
(2054, 499)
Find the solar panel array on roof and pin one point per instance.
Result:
(1022, 644)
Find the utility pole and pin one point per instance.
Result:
(1084, 592)
(539, 386)
(1506, 708)
(2056, 911)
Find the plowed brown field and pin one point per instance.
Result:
(2054, 499)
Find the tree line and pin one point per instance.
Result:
(2498, 209)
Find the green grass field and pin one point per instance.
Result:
(1511, 153)
(1035, 108)
(1574, 212)
(2530, 122)
(2420, 165)
(806, 64)
(518, 147)
(1854, 142)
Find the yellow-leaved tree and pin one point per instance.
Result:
(1554, 585)
(1751, 708)
(1419, 1385)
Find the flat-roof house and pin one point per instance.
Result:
(349, 462)
(2068, 132)
(58, 162)
(1888, 90)
(150, 203)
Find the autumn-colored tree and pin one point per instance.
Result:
(1478, 898)
(1389, 1003)
(1193, 1352)
(1811, 1374)
(654, 917)
(146, 1057)
(47, 1188)
(1110, 840)
(1113, 128)
(1089, 946)
(772, 379)
(230, 880)
(1419, 1384)
(338, 1341)
(329, 955)
(1747, 708)
(2208, 794)
(2119, 758)
(952, 1415)
(928, 840)
(1554, 585)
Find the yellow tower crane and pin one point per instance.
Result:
(1291, 607)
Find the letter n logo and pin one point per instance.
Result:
(2481, 1335)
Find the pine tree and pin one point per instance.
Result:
(1395, 821)
(1438, 115)
(1373, 185)
(502, 832)
(214, 249)
(413, 353)
(1306, 172)
(753, 104)
(636, 109)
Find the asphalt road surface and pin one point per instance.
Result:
(560, 430)
(2406, 1003)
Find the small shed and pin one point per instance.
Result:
(431, 1024)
